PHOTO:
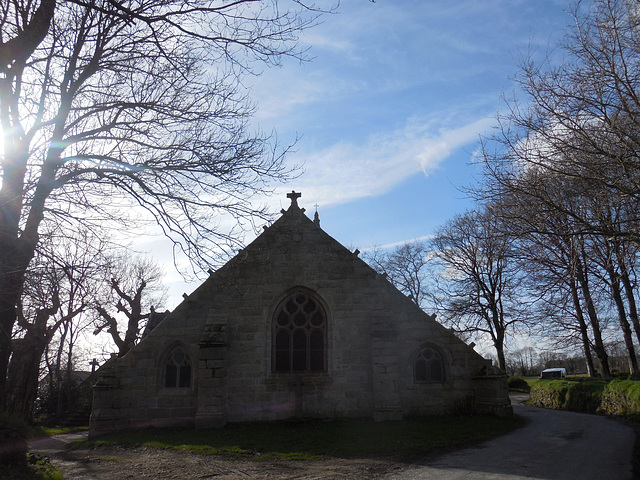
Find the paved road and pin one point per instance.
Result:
(554, 445)
(55, 443)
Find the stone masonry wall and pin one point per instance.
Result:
(373, 336)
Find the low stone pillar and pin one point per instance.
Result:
(492, 392)
(212, 375)
(104, 416)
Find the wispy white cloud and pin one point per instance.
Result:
(380, 48)
(394, 90)
(400, 243)
(346, 171)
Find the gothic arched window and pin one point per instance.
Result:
(177, 369)
(299, 335)
(428, 366)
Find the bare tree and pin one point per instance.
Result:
(134, 290)
(550, 263)
(480, 286)
(607, 252)
(107, 104)
(552, 254)
(406, 267)
(578, 131)
(85, 267)
(581, 119)
(523, 361)
(59, 288)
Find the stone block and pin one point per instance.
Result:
(211, 383)
(387, 414)
(170, 401)
(215, 364)
(183, 412)
(210, 420)
(133, 413)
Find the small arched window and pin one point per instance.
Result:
(177, 369)
(428, 366)
(299, 335)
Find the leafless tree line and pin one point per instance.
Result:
(110, 104)
(552, 245)
(76, 287)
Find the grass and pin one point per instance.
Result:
(58, 430)
(583, 394)
(531, 380)
(36, 468)
(314, 439)
(622, 397)
(39, 431)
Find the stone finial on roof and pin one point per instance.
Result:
(294, 196)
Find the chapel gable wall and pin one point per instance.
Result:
(373, 339)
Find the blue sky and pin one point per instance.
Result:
(391, 108)
(392, 105)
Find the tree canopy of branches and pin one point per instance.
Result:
(60, 285)
(480, 288)
(566, 163)
(406, 267)
(107, 104)
(580, 122)
(134, 290)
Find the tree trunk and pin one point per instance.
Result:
(599, 348)
(7, 319)
(24, 372)
(60, 403)
(622, 318)
(501, 360)
(584, 334)
(12, 269)
(631, 301)
(498, 341)
(70, 379)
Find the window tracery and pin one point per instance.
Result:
(428, 366)
(177, 369)
(299, 335)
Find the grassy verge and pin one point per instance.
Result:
(518, 384)
(35, 468)
(39, 431)
(311, 439)
(531, 381)
(611, 397)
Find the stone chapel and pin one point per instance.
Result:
(295, 325)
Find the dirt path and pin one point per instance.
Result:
(149, 463)
(115, 463)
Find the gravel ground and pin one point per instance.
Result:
(113, 463)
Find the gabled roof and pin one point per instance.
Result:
(293, 227)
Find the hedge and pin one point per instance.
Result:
(549, 393)
(615, 397)
(518, 384)
(621, 397)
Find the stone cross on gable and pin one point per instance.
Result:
(94, 364)
(294, 196)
